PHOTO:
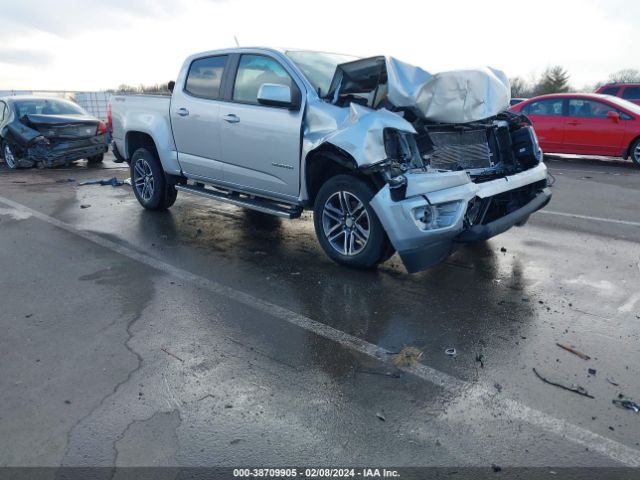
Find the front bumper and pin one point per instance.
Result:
(447, 197)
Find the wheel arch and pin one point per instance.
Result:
(326, 162)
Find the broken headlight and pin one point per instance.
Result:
(434, 217)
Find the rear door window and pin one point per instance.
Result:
(205, 77)
(631, 93)
(589, 108)
(546, 107)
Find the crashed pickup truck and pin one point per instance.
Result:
(47, 131)
(388, 156)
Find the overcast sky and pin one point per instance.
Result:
(100, 44)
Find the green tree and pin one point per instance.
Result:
(554, 80)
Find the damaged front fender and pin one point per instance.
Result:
(358, 130)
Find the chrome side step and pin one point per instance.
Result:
(242, 200)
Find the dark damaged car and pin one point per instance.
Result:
(45, 132)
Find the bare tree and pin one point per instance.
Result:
(627, 75)
(520, 88)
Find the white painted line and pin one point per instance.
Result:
(587, 217)
(516, 410)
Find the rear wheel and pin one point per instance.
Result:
(149, 181)
(96, 158)
(9, 157)
(634, 152)
(346, 226)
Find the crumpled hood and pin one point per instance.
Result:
(457, 96)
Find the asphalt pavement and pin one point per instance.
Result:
(208, 335)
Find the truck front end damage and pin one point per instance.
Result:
(454, 166)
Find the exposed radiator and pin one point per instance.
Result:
(460, 150)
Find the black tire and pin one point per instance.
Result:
(634, 152)
(96, 158)
(354, 194)
(152, 190)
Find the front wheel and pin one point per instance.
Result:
(346, 226)
(149, 182)
(635, 152)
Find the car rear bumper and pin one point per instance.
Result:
(425, 227)
(67, 151)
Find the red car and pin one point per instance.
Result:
(628, 91)
(585, 123)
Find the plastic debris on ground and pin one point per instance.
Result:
(113, 181)
(575, 389)
(451, 352)
(628, 404)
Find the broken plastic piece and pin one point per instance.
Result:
(628, 404)
(579, 390)
(113, 181)
(451, 352)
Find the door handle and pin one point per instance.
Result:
(183, 112)
(231, 118)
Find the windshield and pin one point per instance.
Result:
(632, 107)
(47, 106)
(319, 67)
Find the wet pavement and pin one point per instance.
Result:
(208, 335)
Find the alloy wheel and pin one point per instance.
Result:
(9, 158)
(143, 179)
(346, 223)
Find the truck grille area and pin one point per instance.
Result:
(460, 150)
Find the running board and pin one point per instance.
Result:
(242, 200)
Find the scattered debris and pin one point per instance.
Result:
(85, 205)
(498, 387)
(28, 315)
(172, 354)
(381, 416)
(208, 395)
(611, 428)
(503, 250)
(496, 468)
(235, 441)
(628, 404)
(592, 371)
(68, 402)
(127, 181)
(66, 180)
(451, 352)
(574, 351)
(579, 390)
(384, 374)
(480, 358)
(612, 382)
(113, 181)
(228, 405)
(407, 357)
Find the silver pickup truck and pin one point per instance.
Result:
(389, 156)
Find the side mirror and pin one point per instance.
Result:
(277, 95)
(171, 85)
(615, 116)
